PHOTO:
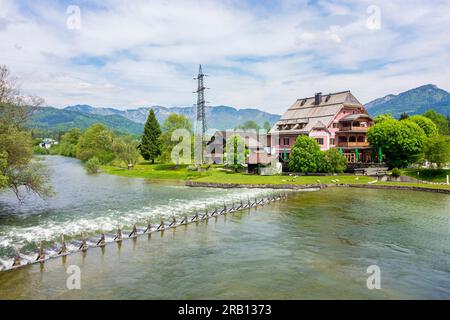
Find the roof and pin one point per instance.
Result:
(305, 111)
(355, 116)
(250, 138)
(256, 157)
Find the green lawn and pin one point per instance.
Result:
(242, 178)
(155, 171)
(216, 174)
(433, 175)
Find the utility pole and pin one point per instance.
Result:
(200, 126)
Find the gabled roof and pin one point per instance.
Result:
(355, 116)
(306, 111)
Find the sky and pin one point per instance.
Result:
(257, 54)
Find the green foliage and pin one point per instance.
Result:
(96, 141)
(92, 165)
(68, 144)
(250, 124)
(404, 116)
(439, 120)
(402, 142)
(40, 150)
(383, 117)
(151, 143)
(126, 150)
(333, 162)
(3, 167)
(426, 124)
(437, 150)
(33, 176)
(305, 155)
(396, 172)
(236, 152)
(267, 126)
(433, 175)
(172, 123)
(17, 170)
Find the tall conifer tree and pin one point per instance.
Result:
(151, 143)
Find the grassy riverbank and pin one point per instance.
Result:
(432, 175)
(217, 174)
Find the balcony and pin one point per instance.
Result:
(353, 128)
(352, 144)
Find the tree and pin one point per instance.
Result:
(402, 142)
(96, 141)
(382, 117)
(404, 116)
(267, 126)
(92, 165)
(151, 143)
(305, 155)
(68, 143)
(126, 150)
(426, 124)
(18, 171)
(250, 124)
(437, 150)
(439, 120)
(236, 152)
(172, 123)
(333, 162)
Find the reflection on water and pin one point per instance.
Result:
(315, 245)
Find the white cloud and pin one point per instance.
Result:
(141, 53)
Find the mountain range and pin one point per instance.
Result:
(414, 101)
(132, 120)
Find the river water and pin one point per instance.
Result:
(314, 245)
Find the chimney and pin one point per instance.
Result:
(318, 98)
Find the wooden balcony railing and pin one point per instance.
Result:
(353, 144)
(351, 128)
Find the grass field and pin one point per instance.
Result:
(432, 175)
(217, 174)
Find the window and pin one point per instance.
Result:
(332, 141)
(320, 141)
(352, 139)
(335, 125)
(286, 141)
(361, 139)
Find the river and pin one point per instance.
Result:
(314, 245)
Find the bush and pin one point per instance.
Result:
(40, 150)
(305, 155)
(93, 165)
(333, 162)
(396, 172)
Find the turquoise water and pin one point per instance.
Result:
(315, 245)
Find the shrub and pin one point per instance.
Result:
(40, 150)
(305, 155)
(396, 172)
(333, 162)
(93, 165)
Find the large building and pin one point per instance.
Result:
(335, 120)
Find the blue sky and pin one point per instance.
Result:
(262, 54)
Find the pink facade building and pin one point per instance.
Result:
(335, 120)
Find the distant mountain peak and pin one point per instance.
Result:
(413, 101)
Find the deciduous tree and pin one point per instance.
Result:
(305, 155)
(402, 142)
